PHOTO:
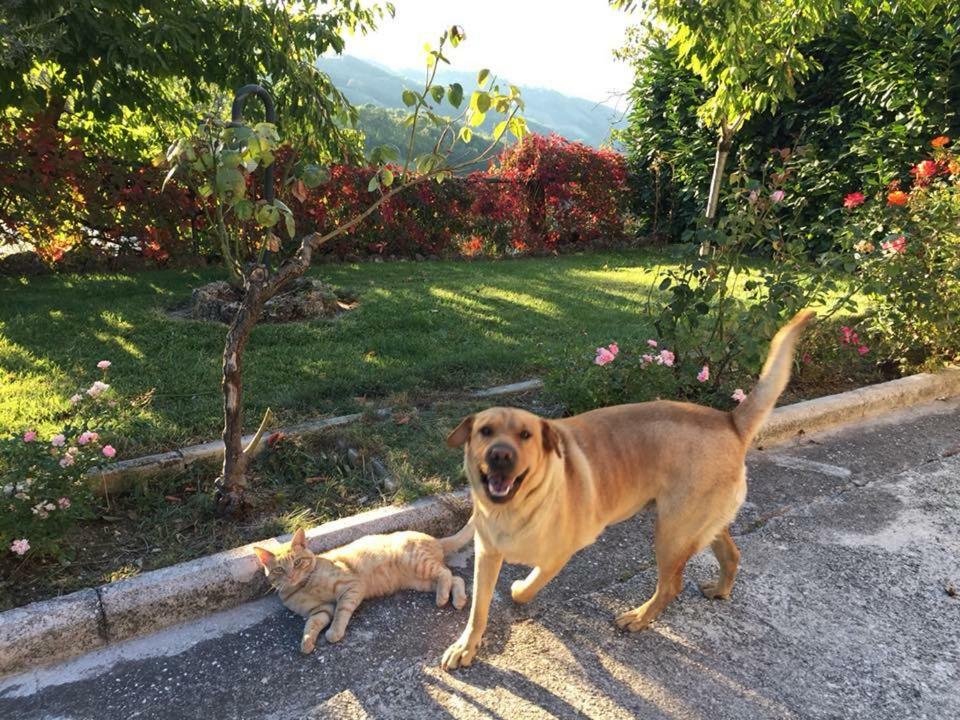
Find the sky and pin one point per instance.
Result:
(564, 45)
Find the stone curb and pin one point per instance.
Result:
(51, 630)
(56, 629)
(120, 476)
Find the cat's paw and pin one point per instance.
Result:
(307, 644)
(332, 635)
(460, 654)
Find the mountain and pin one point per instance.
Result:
(546, 111)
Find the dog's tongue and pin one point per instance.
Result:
(499, 484)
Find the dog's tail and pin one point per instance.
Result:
(750, 416)
(455, 542)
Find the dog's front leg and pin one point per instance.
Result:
(486, 570)
(523, 591)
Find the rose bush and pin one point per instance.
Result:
(907, 242)
(44, 488)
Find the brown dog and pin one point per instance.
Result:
(544, 489)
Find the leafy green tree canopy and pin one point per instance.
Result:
(128, 71)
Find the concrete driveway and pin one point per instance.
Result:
(845, 607)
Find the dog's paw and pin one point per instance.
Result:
(460, 654)
(521, 593)
(632, 620)
(712, 591)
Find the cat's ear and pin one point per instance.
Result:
(264, 556)
(462, 432)
(299, 540)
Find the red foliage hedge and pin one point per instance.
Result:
(540, 195)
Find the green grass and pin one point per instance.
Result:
(419, 328)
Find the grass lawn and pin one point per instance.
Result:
(422, 333)
(420, 327)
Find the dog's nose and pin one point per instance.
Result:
(501, 455)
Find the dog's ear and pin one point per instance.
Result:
(551, 439)
(462, 432)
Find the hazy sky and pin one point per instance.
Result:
(563, 45)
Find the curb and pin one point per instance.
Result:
(120, 476)
(74, 624)
(51, 630)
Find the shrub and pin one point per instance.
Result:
(44, 488)
(55, 198)
(908, 242)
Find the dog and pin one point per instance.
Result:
(544, 489)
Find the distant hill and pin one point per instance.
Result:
(366, 83)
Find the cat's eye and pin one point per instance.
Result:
(301, 562)
(278, 570)
(525, 435)
(486, 431)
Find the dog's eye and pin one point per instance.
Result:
(525, 435)
(486, 431)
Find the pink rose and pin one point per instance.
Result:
(739, 395)
(29, 436)
(704, 374)
(614, 348)
(97, 388)
(21, 546)
(666, 358)
(604, 356)
(63, 503)
(652, 343)
(647, 359)
(58, 440)
(76, 398)
(67, 460)
(87, 437)
(863, 349)
(777, 196)
(104, 364)
(109, 451)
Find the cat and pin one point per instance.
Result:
(327, 588)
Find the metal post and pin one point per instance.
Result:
(236, 119)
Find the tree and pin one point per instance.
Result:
(222, 158)
(746, 53)
(117, 64)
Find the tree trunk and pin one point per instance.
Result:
(724, 143)
(233, 479)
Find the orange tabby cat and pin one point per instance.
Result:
(327, 588)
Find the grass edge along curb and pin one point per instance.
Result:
(50, 630)
(120, 476)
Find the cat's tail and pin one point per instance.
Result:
(455, 542)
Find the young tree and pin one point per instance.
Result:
(746, 53)
(218, 160)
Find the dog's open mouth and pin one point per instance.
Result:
(501, 486)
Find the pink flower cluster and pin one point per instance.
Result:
(20, 547)
(849, 337)
(897, 246)
(606, 354)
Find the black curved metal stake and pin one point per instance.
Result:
(236, 120)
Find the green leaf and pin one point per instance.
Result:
(230, 180)
(386, 177)
(436, 92)
(409, 98)
(289, 224)
(466, 134)
(243, 210)
(374, 183)
(205, 190)
(482, 76)
(500, 128)
(314, 175)
(267, 215)
(169, 175)
(480, 101)
(455, 94)
(477, 119)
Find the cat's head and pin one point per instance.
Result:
(290, 565)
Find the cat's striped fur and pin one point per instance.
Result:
(327, 588)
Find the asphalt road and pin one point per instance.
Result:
(844, 608)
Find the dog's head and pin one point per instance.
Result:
(505, 451)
